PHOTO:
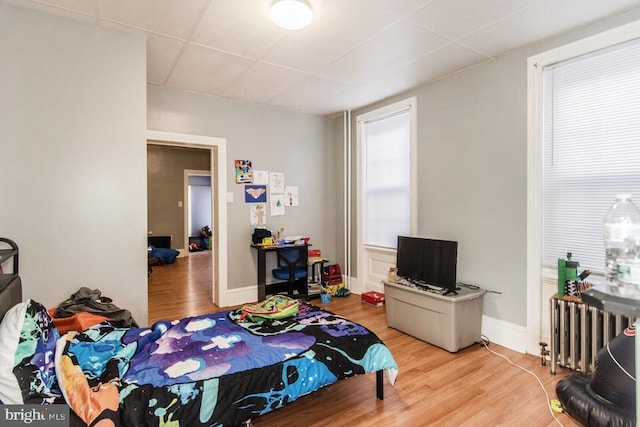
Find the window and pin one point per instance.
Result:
(591, 149)
(386, 147)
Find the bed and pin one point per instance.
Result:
(213, 370)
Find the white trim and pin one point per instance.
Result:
(506, 334)
(238, 296)
(535, 66)
(218, 148)
(348, 198)
(412, 105)
(356, 286)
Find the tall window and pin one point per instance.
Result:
(591, 139)
(386, 174)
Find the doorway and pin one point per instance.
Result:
(197, 209)
(217, 149)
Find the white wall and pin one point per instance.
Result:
(275, 140)
(73, 157)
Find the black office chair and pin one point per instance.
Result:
(292, 268)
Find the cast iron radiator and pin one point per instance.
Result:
(578, 331)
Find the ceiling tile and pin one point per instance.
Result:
(456, 18)
(87, 7)
(337, 28)
(400, 8)
(344, 25)
(169, 17)
(356, 97)
(540, 21)
(296, 51)
(308, 92)
(242, 27)
(430, 67)
(162, 53)
(400, 44)
(206, 70)
(437, 64)
(354, 52)
(262, 82)
(81, 10)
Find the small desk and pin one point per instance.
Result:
(262, 265)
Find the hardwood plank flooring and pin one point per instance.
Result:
(181, 289)
(472, 387)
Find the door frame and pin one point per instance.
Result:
(218, 149)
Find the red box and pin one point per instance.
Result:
(373, 298)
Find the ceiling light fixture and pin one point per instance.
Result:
(291, 14)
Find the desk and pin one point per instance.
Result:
(262, 265)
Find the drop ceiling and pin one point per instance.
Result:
(355, 52)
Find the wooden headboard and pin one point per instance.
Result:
(10, 295)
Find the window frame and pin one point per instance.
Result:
(587, 111)
(535, 67)
(410, 105)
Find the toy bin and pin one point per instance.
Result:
(451, 322)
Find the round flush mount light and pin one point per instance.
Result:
(291, 14)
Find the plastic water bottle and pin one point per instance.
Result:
(621, 229)
(629, 264)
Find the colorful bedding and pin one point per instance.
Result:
(212, 370)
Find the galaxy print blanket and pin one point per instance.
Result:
(212, 370)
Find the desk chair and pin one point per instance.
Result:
(292, 268)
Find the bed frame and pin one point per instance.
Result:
(10, 295)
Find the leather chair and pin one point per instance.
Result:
(606, 398)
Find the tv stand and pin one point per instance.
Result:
(451, 321)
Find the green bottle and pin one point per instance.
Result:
(561, 276)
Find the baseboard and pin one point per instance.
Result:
(182, 253)
(504, 333)
(353, 284)
(240, 296)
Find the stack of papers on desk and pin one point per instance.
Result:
(292, 239)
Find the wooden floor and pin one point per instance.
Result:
(472, 387)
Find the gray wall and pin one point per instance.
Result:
(472, 169)
(275, 140)
(165, 183)
(72, 158)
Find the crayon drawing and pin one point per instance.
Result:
(244, 172)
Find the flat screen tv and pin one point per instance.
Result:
(428, 261)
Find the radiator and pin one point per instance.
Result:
(578, 331)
